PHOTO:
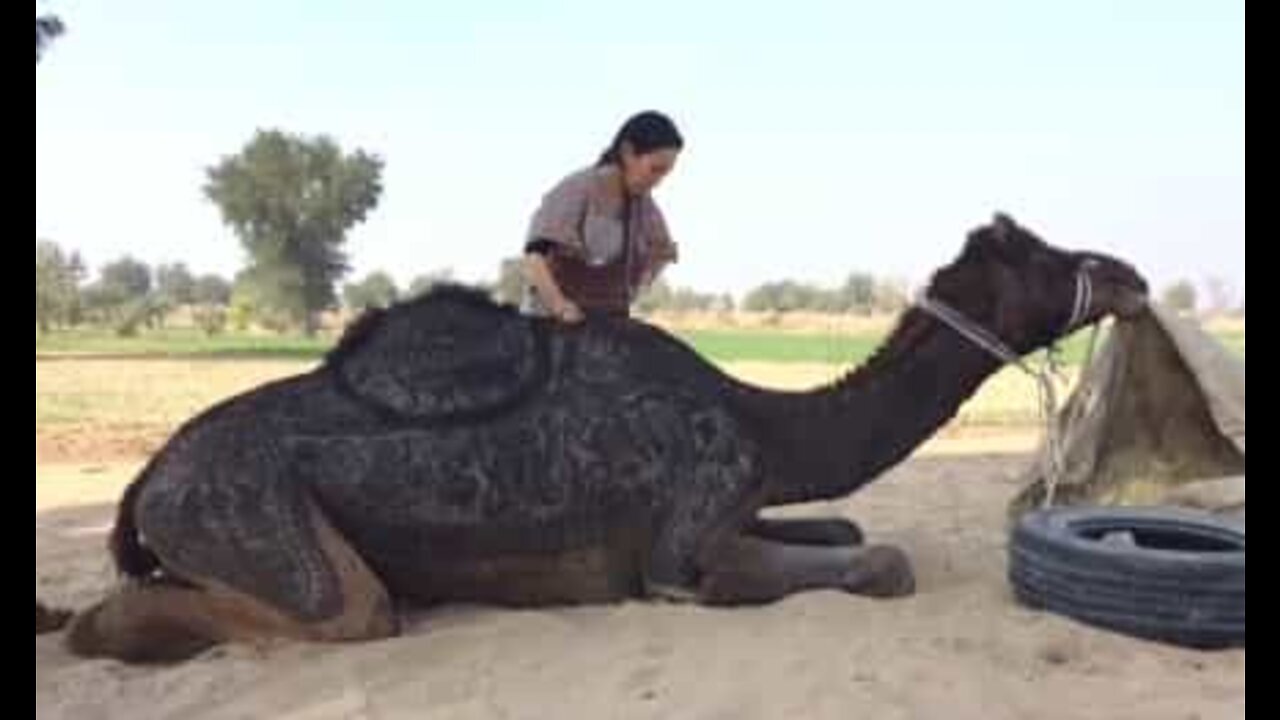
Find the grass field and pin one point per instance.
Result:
(180, 342)
(161, 393)
(99, 395)
(720, 345)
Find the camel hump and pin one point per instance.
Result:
(452, 352)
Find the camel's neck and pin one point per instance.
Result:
(842, 436)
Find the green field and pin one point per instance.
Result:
(729, 345)
(130, 393)
(184, 342)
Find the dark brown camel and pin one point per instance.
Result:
(48, 620)
(450, 449)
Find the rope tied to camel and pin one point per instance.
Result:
(1054, 462)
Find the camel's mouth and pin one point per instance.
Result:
(1122, 290)
(1130, 303)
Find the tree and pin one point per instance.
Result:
(242, 307)
(122, 297)
(291, 200)
(99, 306)
(423, 283)
(127, 279)
(510, 285)
(858, 294)
(784, 296)
(891, 295)
(48, 27)
(212, 319)
(1181, 296)
(377, 290)
(175, 284)
(58, 277)
(655, 297)
(270, 295)
(57, 297)
(211, 290)
(762, 298)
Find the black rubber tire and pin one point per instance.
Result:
(1181, 583)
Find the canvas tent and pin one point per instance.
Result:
(1156, 419)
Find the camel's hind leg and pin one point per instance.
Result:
(165, 621)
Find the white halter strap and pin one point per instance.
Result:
(986, 340)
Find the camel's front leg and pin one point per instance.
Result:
(749, 570)
(828, 532)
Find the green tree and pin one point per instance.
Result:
(783, 296)
(58, 277)
(423, 283)
(175, 284)
(212, 319)
(271, 296)
(858, 294)
(127, 279)
(762, 298)
(291, 200)
(119, 296)
(1181, 296)
(891, 295)
(377, 290)
(510, 285)
(655, 297)
(211, 290)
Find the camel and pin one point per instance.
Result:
(451, 449)
(50, 619)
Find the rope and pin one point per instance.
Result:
(980, 336)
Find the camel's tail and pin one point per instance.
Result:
(132, 558)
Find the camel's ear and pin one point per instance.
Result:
(977, 244)
(1003, 227)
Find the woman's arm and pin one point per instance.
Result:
(539, 275)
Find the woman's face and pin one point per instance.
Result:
(642, 173)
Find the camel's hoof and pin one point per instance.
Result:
(671, 593)
(50, 620)
(882, 571)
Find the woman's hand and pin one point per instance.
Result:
(567, 312)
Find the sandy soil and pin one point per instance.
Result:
(961, 648)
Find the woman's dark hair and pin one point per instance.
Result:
(646, 132)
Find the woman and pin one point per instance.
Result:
(598, 237)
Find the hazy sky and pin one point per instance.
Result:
(823, 137)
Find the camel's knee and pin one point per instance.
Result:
(367, 614)
(366, 611)
(138, 626)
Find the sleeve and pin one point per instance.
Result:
(558, 218)
(661, 248)
(539, 246)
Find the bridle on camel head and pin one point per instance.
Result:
(988, 341)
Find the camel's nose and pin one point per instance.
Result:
(1116, 273)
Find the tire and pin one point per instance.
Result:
(1159, 574)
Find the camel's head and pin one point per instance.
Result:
(1028, 293)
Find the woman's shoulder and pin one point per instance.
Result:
(578, 182)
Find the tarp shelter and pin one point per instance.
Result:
(1156, 419)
